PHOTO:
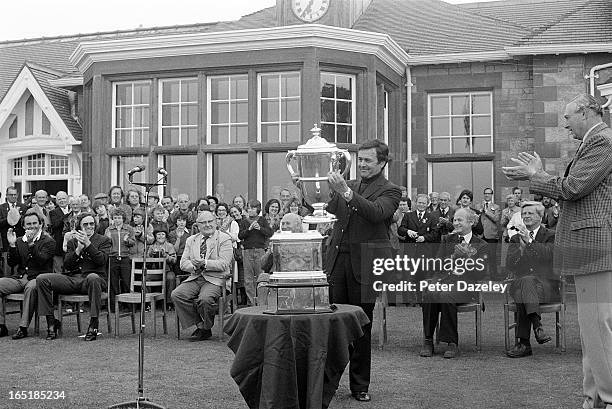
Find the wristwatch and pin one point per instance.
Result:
(347, 194)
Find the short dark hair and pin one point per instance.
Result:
(487, 188)
(382, 150)
(84, 215)
(120, 212)
(255, 204)
(211, 197)
(97, 203)
(269, 203)
(466, 192)
(203, 207)
(34, 212)
(221, 204)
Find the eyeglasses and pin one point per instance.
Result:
(85, 224)
(206, 222)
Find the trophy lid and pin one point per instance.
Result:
(284, 236)
(317, 144)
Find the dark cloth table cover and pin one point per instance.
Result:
(291, 361)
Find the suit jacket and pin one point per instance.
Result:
(427, 227)
(445, 228)
(490, 219)
(549, 219)
(219, 256)
(583, 240)
(4, 225)
(448, 250)
(367, 216)
(34, 260)
(93, 258)
(57, 217)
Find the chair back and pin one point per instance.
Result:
(156, 275)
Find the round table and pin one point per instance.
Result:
(291, 361)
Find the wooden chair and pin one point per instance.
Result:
(557, 307)
(380, 318)
(222, 304)
(19, 297)
(477, 307)
(156, 291)
(78, 300)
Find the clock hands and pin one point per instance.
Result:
(308, 8)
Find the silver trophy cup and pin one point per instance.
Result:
(314, 160)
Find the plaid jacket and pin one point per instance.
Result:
(583, 242)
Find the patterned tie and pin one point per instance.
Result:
(461, 239)
(421, 217)
(203, 248)
(530, 236)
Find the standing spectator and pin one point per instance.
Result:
(41, 197)
(116, 201)
(584, 235)
(102, 219)
(285, 197)
(272, 213)
(518, 195)
(103, 197)
(183, 209)
(239, 273)
(489, 218)
(226, 223)
(137, 250)
(254, 234)
(212, 203)
(86, 204)
(178, 238)
(133, 198)
(240, 202)
(434, 201)
(58, 216)
(168, 203)
(156, 223)
(122, 238)
(551, 213)
(10, 217)
(364, 210)
(465, 199)
(31, 254)
(86, 264)
(445, 214)
(398, 217)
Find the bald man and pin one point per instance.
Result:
(291, 222)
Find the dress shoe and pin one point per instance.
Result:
(361, 396)
(427, 349)
(92, 334)
(540, 335)
(21, 333)
(452, 351)
(201, 334)
(53, 330)
(3, 331)
(519, 351)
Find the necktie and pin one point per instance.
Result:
(486, 206)
(530, 236)
(421, 217)
(461, 239)
(203, 248)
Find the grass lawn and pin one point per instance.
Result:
(181, 374)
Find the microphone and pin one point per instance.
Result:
(162, 171)
(137, 169)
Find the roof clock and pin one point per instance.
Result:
(310, 10)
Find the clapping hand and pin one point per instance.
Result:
(254, 225)
(337, 182)
(11, 237)
(528, 165)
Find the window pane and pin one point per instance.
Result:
(239, 134)
(189, 136)
(125, 163)
(124, 94)
(461, 145)
(170, 136)
(482, 144)
(343, 112)
(189, 90)
(189, 115)
(328, 132)
(219, 88)
(344, 134)
(46, 125)
(219, 134)
(275, 176)
(290, 85)
(269, 133)
(291, 110)
(439, 106)
(269, 111)
(461, 126)
(141, 137)
(269, 86)
(240, 89)
(230, 176)
(181, 175)
(327, 110)
(141, 116)
(124, 139)
(142, 94)
(482, 125)
(240, 112)
(453, 177)
(123, 118)
(481, 104)
(170, 115)
(219, 112)
(460, 105)
(291, 133)
(343, 87)
(439, 127)
(327, 86)
(170, 91)
(440, 145)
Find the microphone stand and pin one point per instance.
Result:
(142, 402)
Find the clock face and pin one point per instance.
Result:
(309, 10)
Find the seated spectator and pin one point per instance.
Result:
(200, 210)
(122, 238)
(462, 243)
(86, 265)
(530, 263)
(291, 222)
(272, 213)
(208, 259)
(139, 234)
(116, 201)
(161, 248)
(30, 255)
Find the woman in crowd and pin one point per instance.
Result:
(226, 223)
(465, 200)
(506, 215)
(236, 214)
(134, 200)
(272, 213)
(213, 202)
(201, 201)
(115, 195)
(161, 248)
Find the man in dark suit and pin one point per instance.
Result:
(529, 261)
(461, 244)
(583, 236)
(6, 222)
(57, 217)
(86, 273)
(419, 226)
(444, 214)
(364, 210)
(31, 254)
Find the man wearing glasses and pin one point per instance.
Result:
(208, 258)
(85, 265)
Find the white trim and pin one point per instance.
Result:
(303, 35)
(132, 107)
(386, 125)
(26, 81)
(209, 173)
(458, 57)
(259, 176)
(280, 98)
(229, 101)
(67, 82)
(353, 101)
(179, 103)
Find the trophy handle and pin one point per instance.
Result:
(288, 159)
(336, 161)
